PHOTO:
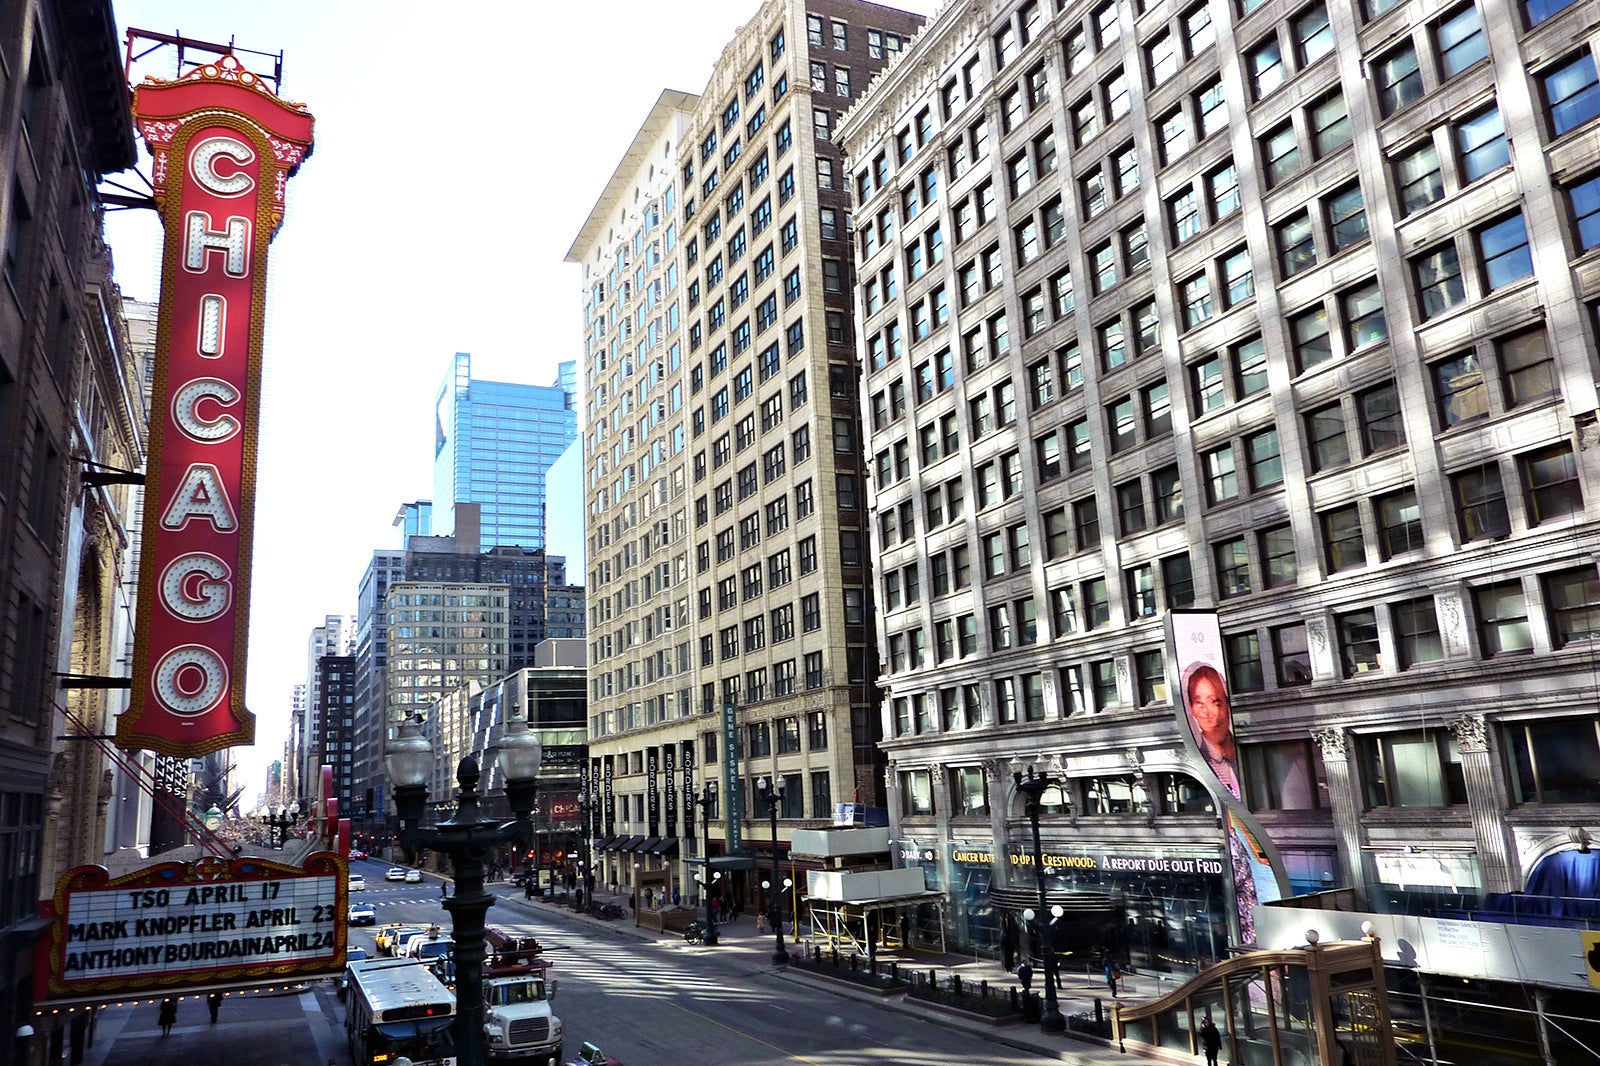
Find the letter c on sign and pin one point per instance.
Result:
(186, 410)
(190, 679)
(203, 165)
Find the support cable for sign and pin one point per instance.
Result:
(147, 783)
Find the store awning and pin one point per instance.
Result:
(631, 844)
(605, 843)
(649, 846)
(666, 847)
(719, 863)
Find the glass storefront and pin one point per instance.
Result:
(1163, 908)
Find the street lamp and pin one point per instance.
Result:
(585, 877)
(704, 802)
(469, 840)
(279, 822)
(772, 795)
(1034, 786)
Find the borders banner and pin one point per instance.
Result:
(184, 924)
(1204, 708)
(223, 149)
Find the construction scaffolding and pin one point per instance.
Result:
(912, 922)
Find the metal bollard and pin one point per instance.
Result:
(983, 990)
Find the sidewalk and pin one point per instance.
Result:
(738, 937)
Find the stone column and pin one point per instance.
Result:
(997, 774)
(1345, 798)
(1497, 850)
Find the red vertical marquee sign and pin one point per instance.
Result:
(224, 148)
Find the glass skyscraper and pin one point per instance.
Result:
(493, 443)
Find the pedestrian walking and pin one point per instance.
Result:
(1210, 1040)
(444, 889)
(214, 1003)
(1113, 975)
(677, 898)
(761, 920)
(1025, 976)
(168, 1016)
(527, 888)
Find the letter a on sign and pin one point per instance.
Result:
(223, 148)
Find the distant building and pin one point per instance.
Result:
(563, 520)
(728, 570)
(494, 442)
(414, 520)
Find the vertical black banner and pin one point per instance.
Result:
(669, 764)
(652, 760)
(688, 790)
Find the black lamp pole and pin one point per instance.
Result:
(585, 878)
(469, 839)
(772, 796)
(279, 821)
(704, 803)
(1034, 786)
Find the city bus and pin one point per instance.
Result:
(398, 1007)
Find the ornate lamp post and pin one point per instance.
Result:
(469, 840)
(279, 821)
(703, 801)
(771, 793)
(1034, 786)
(585, 877)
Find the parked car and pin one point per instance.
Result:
(395, 873)
(358, 883)
(389, 936)
(413, 877)
(363, 914)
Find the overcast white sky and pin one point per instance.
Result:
(459, 149)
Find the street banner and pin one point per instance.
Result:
(732, 793)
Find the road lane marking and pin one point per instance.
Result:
(747, 1036)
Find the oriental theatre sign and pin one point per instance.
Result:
(178, 924)
(223, 149)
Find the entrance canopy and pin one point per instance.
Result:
(721, 863)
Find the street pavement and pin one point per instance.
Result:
(303, 1025)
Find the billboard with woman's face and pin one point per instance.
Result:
(1207, 715)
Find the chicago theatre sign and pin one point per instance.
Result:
(224, 148)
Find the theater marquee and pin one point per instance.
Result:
(179, 924)
(223, 148)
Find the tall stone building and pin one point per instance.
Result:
(1281, 309)
(727, 557)
(70, 398)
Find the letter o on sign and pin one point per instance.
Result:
(189, 680)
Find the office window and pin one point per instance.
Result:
(1330, 124)
(1238, 280)
(1222, 478)
(1280, 151)
(1416, 632)
(1206, 380)
(1399, 522)
(1309, 331)
(1502, 611)
(1150, 668)
(1438, 278)
(1480, 502)
(1419, 768)
(1398, 78)
(1363, 315)
(1130, 507)
(1279, 566)
(1418, 178)
(1482, 144)
(1291, 654)
(1503, 246)
(1211, 107)
(1347, 217)
(1222, 188)
(1233, 567)
(1297, 250)
(1571, 93)
(1184, 212)
(1264, 67)
(1381, 426)
(1358, 642)
(1265, 462)
(1325, 433)
(1342, 537)
(1550, 484)
(1195, 297)
(1527, 366)
(1172, 134)
(1573, 599)
(1243, 651)
(1553, 760)
(1460, 40)
(1250, 366)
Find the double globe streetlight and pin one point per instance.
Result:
(1033, 786)
(279, 820)
(470, 840)
(771, 793)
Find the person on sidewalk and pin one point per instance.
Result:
(1113, 975)
(1210, 1040)
(527, 888)
(761, 919)
(168, 1016)
(214, 1003)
